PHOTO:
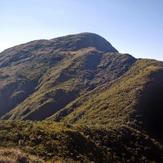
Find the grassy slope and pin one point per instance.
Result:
(51, 142)
(119, 103)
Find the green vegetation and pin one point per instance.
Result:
(107, 106)
(119, 103)
(51, 142)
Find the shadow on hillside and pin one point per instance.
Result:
(150, 107)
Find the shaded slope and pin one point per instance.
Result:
(149, 112)
(83, 71)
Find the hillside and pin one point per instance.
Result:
(76, 98)
(134, 99)
(41, 77)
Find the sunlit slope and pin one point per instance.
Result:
(134, 99)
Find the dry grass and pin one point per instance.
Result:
(14, 155)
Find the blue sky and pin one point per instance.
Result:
(132, 26)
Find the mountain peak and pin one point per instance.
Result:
(84, 40)
(66, 43)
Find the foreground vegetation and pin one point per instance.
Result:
(12, 155)
(51, 141)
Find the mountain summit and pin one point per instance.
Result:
(84, 40)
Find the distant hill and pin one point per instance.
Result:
(82, 80)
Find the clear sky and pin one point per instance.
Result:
(132, 26)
